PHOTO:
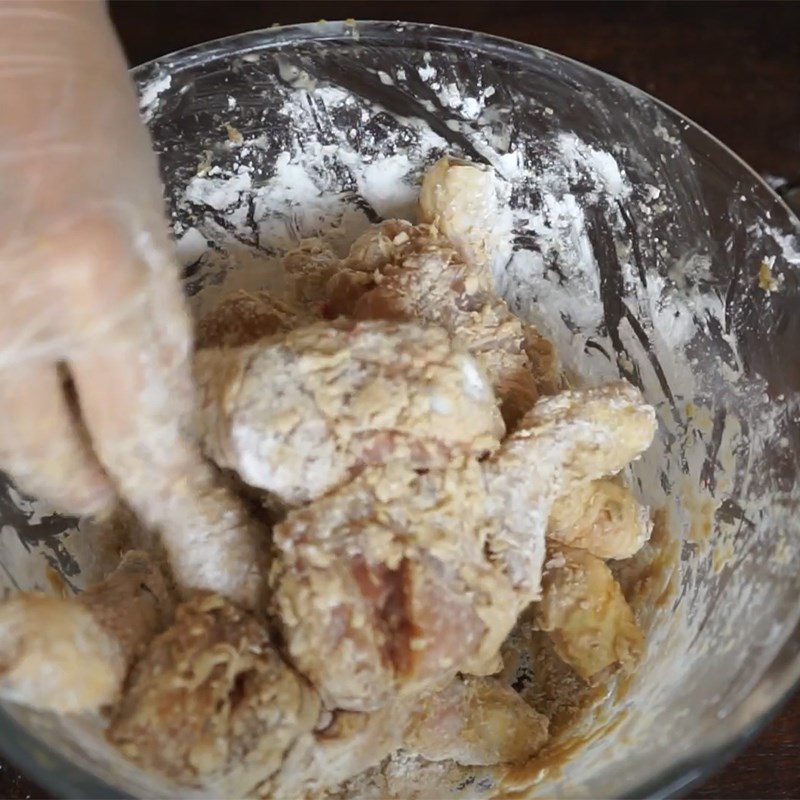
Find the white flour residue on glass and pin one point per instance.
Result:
(150, 93)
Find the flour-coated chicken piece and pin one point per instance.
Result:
(298, 414)
(472, 721)
(475, 721)
(71, 655)
(381, 244)
(343, 745)
(583, 610)
(404, 272)
(396, 581)
(382, 588)
(601, 516)
(461, 199)
(582, 607)
(211, 704)
(562, 443)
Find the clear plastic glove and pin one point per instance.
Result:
(95, 388)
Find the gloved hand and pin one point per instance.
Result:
(95, 389)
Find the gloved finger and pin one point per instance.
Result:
(135, 393)
(141, 440)
(42, 446)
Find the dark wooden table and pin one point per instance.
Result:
(732, 67)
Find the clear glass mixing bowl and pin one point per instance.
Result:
(642, 245)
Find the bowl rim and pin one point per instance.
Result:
(332, 30)
(779, 679)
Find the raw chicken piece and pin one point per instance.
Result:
(584, 611)
(72, 655)
(243, 318)
(298, 414)
(455, 738)
(460, 199)
(211, 704)
(396, 581)
(601, 516)
(475, 721)
(622, 430)
(402, 272)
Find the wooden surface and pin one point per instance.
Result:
(732, 67)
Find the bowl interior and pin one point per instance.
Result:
(641, 246)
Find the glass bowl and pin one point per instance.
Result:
(641, 245)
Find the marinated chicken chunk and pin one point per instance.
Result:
(396, 581)
(586, 615)
(475, 721)
(563, 442)
(71, 655)
(382, 588)
(211, 704)
(601, 516)
(402, 272)
(460, 199)
(299, 414)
